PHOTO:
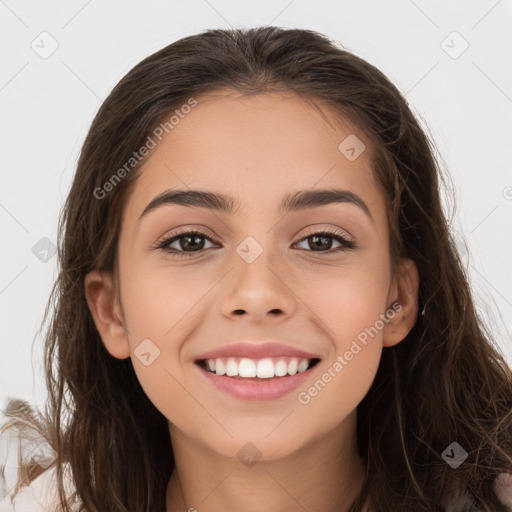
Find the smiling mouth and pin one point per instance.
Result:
(265, 369)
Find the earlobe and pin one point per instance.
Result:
(403, 317)
(104, 306)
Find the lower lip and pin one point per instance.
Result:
(262, 390)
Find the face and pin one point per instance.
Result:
(315, 277)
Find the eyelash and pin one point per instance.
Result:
(346, 244)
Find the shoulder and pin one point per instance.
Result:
(22, 443)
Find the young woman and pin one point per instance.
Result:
(260, 305)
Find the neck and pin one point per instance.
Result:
(323, 474)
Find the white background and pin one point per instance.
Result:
(48, 105)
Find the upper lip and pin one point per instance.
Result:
(256, 350)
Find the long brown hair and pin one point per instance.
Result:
(445, 382)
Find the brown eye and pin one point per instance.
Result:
(186, 242)
(190, 242)
(322, 241)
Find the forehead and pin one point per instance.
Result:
(256, 149)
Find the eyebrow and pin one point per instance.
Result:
(296, 201)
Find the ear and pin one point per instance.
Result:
(404, 297)
(106, 311)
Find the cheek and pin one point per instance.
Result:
(349, 308)
(155, 341)
(158, 304)
(337, 390)
(157, 299)
(346, 300)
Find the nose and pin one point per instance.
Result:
(258, 291)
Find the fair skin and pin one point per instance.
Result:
(256, 150)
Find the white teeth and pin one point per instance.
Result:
(231, 367)
(292, 366)
(265, 368)
(303, 366)
(219, 367)
(281, 368)
(247, 368)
